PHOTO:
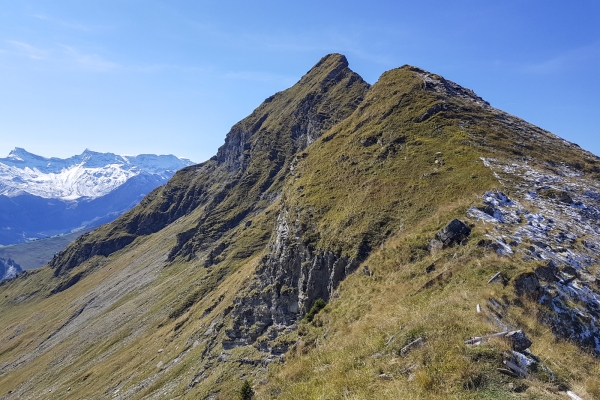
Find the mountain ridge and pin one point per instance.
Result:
(208, 281)
(241, 162)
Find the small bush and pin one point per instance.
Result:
(424, 380)
(318, 305)
(246, 391)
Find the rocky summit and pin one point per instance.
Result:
(400, 240)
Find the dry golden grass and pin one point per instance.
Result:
(353, 351)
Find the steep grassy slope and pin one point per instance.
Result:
(326, 191)
(205, 208)
(388, 169)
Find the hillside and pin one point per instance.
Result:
(317, 256)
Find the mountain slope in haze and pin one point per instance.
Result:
(42, 197)
(332, 190)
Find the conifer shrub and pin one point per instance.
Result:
(317, 306)
(246, 391)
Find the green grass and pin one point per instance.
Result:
(375, 316)
(372, 182)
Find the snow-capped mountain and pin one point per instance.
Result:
(9, 269)
(90, 174)
(41, 196)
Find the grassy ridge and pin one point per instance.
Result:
(246, 174)
(380, 171)
(373, 182)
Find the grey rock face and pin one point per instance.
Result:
(529, 286)
(547, 273)
(288, 281)
(518, 340)
(432, 111)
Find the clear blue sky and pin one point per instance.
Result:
(171, 77)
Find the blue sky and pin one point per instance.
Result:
(171, 77)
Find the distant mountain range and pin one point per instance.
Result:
(41, 197)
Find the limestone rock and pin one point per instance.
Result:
(547, 273)
(288, 282)
(569, 271)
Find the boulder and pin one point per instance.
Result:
(569, 271)
(430, 269)
(454, 233)
(528, 285)
(518, 341)
(547, 273)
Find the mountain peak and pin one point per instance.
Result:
(308, 110)
(327, 69)
(20, 154)
(333, 59)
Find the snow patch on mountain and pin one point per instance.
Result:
(9, 269)
(90, 174)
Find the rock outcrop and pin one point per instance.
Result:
(287, 283)
(553, 218)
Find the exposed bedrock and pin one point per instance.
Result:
(287, 283)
